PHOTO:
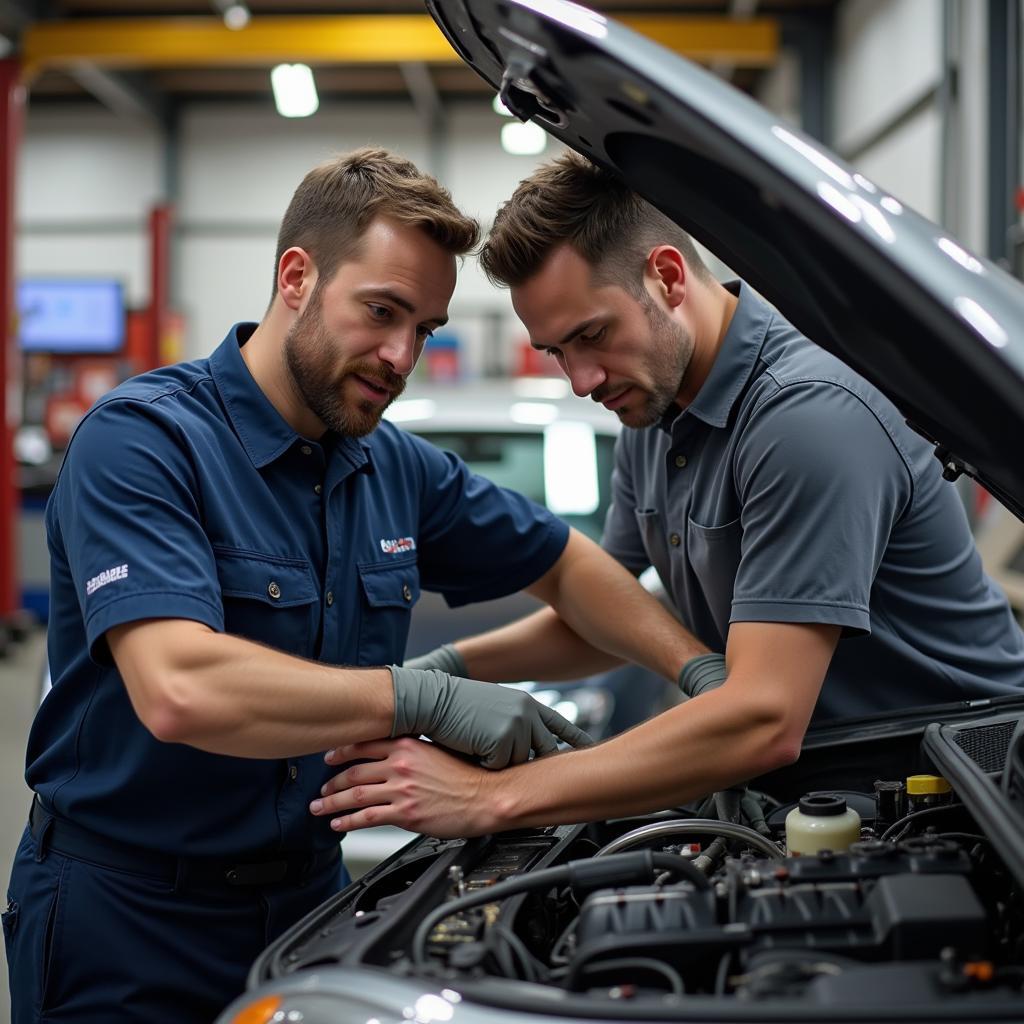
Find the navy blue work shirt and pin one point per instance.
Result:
(184, 494)
(792, 490)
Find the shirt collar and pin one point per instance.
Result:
(736, 358)
(263, 431)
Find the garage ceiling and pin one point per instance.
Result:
(150, 56)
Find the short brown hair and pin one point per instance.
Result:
(336, 201)
(572, 200)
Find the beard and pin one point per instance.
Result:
(320, 381)
(669, 351)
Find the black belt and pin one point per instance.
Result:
(62, 836)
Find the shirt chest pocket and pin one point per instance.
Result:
(714, 553)
(269, 599)
(389, 590)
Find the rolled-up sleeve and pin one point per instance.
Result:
(821, 484)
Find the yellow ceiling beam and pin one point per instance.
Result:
(339, 39)
(207, 42)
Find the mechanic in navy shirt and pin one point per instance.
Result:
(801, 529)
(223, 534)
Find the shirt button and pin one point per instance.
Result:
(306, 450)
(318, 488)
(406, 592)
(675, 540)
(330, 598)
(273, 590)
(293, 773)
(680, 461)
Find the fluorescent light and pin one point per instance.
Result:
(499, 108)
(541, 387)
(533, 412)
(982, 321)
(409, 409)
(811, 152)
(570, 468)
(294, 90)
(962, 256)
(523, 139)
(236, 16)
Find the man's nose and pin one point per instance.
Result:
(400, 351)
(584, 374)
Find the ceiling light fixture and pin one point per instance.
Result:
(235, 13)
(236, 16)
(523, 138)
(294, 90)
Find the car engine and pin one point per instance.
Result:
(918, 910)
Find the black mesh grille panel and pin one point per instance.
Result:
(986, 745)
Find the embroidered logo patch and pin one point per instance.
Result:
(119, 572)
(397, 545)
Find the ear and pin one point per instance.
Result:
(296, 277)
(666, 274)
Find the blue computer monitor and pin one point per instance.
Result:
(70, 315)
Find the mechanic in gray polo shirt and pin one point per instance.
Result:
(791, 490)
(801, 529)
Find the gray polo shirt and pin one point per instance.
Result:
(792, 490)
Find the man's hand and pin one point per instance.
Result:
(412, 784)
(497, 724)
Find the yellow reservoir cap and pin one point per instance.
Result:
(922, 785)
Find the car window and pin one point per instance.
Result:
(516, 460)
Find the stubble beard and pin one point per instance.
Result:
(318, 380)
(671, 349)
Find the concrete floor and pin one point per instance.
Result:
(19, 691)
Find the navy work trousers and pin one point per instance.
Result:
(94, 945)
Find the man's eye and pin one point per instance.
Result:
(378, 312)
(424, 332)
(595, 337)
(555, 353)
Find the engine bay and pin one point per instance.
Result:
(918, 910)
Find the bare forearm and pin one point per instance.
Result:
(605, 605)
(227, 695)
(541, 646)
(685, 753)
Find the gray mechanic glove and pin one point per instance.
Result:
(445, 657)
(702, 673)
(497, 724)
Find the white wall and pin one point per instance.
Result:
(888, 61)
(86, 183)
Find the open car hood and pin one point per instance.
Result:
(939, 330)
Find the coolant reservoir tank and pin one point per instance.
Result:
(821, 821)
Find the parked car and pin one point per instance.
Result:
(923, 918)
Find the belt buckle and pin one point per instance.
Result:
(264, 873)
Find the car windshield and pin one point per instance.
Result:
(567, 468)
